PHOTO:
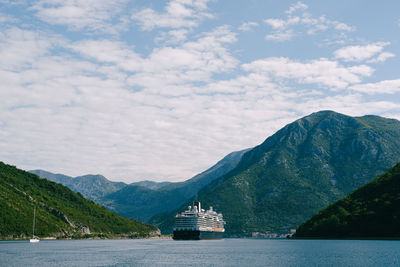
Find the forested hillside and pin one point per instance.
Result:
(59, 211)
(372, 211)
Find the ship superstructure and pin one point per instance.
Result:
(196, 223)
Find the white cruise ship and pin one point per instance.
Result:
(196, 223)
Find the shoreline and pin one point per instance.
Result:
(88, 238)
(345, 238)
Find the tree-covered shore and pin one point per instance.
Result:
(60, 213)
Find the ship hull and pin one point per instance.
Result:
(197, 235)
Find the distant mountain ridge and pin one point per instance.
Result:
(59, 211)
(90, 186)
(299, 170)
(142, 200)
(94, 186)
(372, 211)
(143, 203)
(151, 184)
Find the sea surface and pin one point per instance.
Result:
(226, 252)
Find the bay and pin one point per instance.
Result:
(226, 252)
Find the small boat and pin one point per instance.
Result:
(34, 238)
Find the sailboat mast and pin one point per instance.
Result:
(34, 239)
(33, 226)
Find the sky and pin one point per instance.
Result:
(162, 90)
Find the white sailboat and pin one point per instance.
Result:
(34, 238)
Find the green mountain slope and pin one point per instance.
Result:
(372, 211)
(299, 170)
(143, 203)
(151, 184)
(90, 186)
(60, 212)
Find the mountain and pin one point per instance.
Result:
(92, 187)
(59, 211)
(142, 202)
(299, 170)
(151, 184)
(372, 211)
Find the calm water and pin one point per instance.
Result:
(228, 252)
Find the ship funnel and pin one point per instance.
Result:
(197, 204)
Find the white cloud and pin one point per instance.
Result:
(93, 15)
(248, 26)
(173, 36)
(382, 87)
(361, 53)
(178, 14)
(280, 24)
(299, 5)
(166, 66)
(342, 27)
(280, 36)
(322, 71)
(304, 24)
(5, 18)
(382, 57)
(193, 61)
(106, 51)
(21, 48)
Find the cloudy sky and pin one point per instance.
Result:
(162, 90)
